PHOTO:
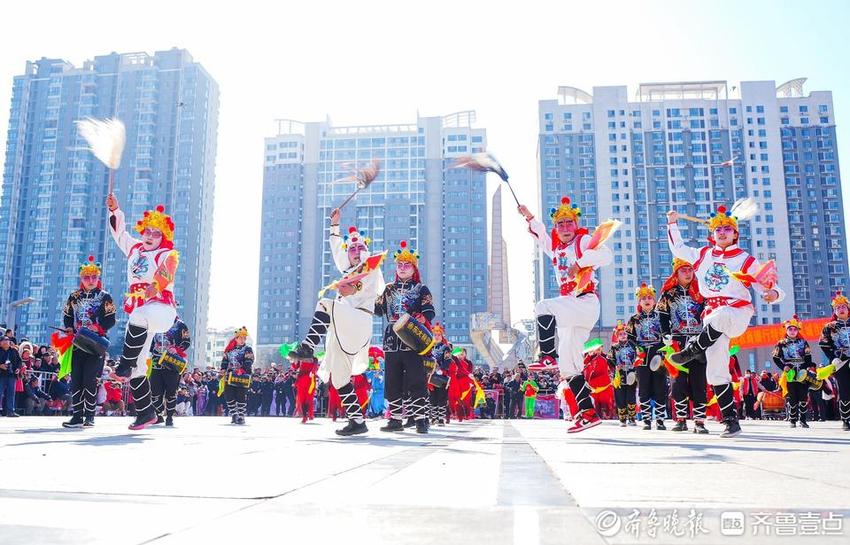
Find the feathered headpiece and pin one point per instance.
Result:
(355, 237)
(90, 267)
(403, 254)
(742, 210)
(840, 299)
(566, 210)
(159, 220)
(673, 280)
(591, 345)
(644, 291)
(241, 332)
(438, 329)
(616, 332)
(793, 322)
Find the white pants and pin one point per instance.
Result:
(575, 317)
(156, 318)
(732, 322)
(347, 341)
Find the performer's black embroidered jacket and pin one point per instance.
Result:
(91, 309)
(792, 352)
(403, 297)
(238, 359)
(835, 339)
(680, 314)
(176, 337)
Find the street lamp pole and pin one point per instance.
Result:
(11, 312)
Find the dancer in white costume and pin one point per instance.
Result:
(151, 265)
(720, 268)
(575, 312)
(346, 320)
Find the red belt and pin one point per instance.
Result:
(567, 289)
(136, 297)
(712, 303)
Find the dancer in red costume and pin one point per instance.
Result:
(305, 387)
(334, 403)
(361, 388)
(466, 388)
(597, 377)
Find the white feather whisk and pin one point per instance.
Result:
(106, 138)
(744, 209)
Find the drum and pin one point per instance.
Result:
(810, 379)
(438, 380)
(414, 334)
(772, 401)
(173, 362)
(90, 342)
(655, 363)
(239, 381)
(631, 378)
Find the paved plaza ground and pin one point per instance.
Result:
(483, 482)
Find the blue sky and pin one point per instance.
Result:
(381, 62)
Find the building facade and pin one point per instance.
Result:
(53, 212)
(694, 146)
(418, 197)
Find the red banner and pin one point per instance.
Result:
(767, 335)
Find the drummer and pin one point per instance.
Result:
(168, 362)
(438, 380)
(621, 360)
(680, 310)
(88, 312)
(405, 370)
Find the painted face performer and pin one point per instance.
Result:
(89, 313)
(622, 360)
(405, 369)
(722, 270)
(680, 309)
(835, 343)
(346, 320)
(151, 266)
(438, 385)
(792, 353)
(644, 330)
(237, 363)
(572, 315)
(168, 362)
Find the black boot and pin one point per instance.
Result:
(411, 422)
(422, 425)
(845, 425)
(732, 428)
(303, 352)
(353, 411)
(140, 388)
(681, 425)
(726, 401)
(659, 425)
(75, 422)
(697, 347)
(647, 424)
(793, 423)
(546, 331)
(134, 341)
(699, 427)
(318, 329)
(169, 421)
(89, 423)
(393, 425)
(353, 428)
(143, 420)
